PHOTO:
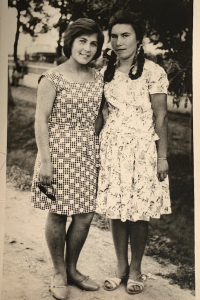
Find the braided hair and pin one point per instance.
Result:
(127, 17)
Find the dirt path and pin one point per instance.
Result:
(27, 263)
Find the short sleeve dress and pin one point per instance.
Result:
(74, 146)
(128, 187)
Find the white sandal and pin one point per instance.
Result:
(131, 283)
(115, 282)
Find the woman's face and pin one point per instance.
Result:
(84, 48)
(124, 41)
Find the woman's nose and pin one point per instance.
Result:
(87, 46)
(119, 41)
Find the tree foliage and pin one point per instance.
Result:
(29, 14)
(171, 23)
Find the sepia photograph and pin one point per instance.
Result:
(99, 159)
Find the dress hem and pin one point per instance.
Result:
(135, 220)
(61, 212)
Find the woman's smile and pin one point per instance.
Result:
(84, 48)
(85, 55)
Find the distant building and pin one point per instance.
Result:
(40, 53)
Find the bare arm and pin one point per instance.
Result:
(45, 99)
(159, 106)
(99, 122)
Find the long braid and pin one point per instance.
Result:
(139, 59)
(110, 70)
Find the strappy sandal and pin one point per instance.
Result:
(115, 281)
(131, 283)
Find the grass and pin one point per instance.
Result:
(171, 238)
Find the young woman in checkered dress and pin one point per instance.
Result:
(67, 123)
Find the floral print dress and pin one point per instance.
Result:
(128, 187)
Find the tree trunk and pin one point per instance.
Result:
(16, 37)
(11, 103)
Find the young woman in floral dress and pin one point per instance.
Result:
(133, 180)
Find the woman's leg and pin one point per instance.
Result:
(120, 234)
(138, 240)
(75, 238)
(55, 232)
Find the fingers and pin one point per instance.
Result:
(45, 175)
(162, 170)
(49, 180)
(162, 175)
(45, 180)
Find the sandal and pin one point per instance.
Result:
(114, 281)
(131, 283)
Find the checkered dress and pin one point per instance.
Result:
(74, 146)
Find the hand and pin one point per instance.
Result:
(45, 175)
(162, 169)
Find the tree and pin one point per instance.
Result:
(29, 15)
(11, 102)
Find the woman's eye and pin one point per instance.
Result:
(94, 44)
(82, 41)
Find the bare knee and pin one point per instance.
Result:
(55, 218)
(83, 220)
(139, 226)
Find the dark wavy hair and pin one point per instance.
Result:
(80, 27)
(127, 17)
